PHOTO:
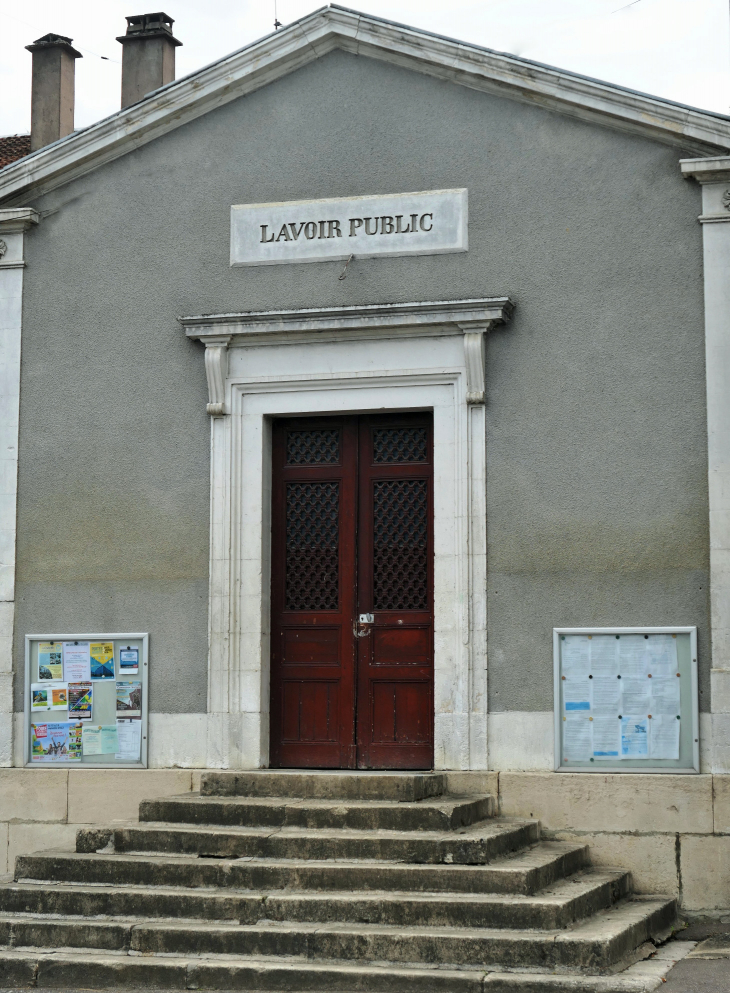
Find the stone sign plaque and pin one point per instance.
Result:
(429, 223)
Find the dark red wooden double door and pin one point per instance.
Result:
(352, 593)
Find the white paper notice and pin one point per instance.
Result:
(664, 738)
(575, 656)
(130, 738)
(636, 696)
(577, 738)
(76, 661)
(576, 695)
(635, 736)
(662, 655)
(665, 696)
(606, 737)
(606, 696)
(604, 655)
(633, 656)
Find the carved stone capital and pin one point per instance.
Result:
(216, 369)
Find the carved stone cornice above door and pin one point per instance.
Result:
(471, 318)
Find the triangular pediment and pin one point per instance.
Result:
(333, 27)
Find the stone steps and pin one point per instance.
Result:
(438, 814)
(594, 945)
(39, 968)
(341, 785)
(473, 846)
(559, 906)
(324, 881)
(526, 871)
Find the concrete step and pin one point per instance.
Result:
(593, 945)
(336, 785)
(468, 846)
(525, 872)
(438, 814)
(62, 969)
(556, 907)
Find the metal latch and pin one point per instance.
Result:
(367, 619)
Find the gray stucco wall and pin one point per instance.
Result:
(596, 421)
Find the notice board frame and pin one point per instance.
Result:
(607, 766)
(141, 636)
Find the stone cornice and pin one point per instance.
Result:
(17, 219)
(714, 170)
(368, 320)
(337, 27)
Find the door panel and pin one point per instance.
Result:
(313, 593)
(352, 534)
(395, 584)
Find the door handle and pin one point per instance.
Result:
(364, 623)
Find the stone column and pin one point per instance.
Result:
(714, 175)
(14, 222)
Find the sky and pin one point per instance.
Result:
(678, 49)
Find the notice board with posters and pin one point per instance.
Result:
(626, 699)
(86, 700)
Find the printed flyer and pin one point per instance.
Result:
(39, 694)
(58, 697)
(56, 742)
(130, 739)
(100, 740)
(129, 660)
(102, 660)
(50, 660)
(76, 661)
(129, 699)
(80, 697)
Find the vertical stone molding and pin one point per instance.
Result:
(474, 360)
(216, 369)
(714, 175)
(14, 223)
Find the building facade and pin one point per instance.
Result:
(563, 366)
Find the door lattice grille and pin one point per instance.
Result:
(400, 444)
(312, 546)
(314, 446)
(400, 544)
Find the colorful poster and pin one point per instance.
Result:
(129, 699)
(80, 697)
(130, 739)
(56, 742)
(129, 660)
(50, 660)
(76, 661)
(102, 659)
(39, 696)
(58, 697)
(100, 740)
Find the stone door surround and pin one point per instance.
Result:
(428, 356)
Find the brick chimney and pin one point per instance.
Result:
(52, 93)
(148, 55)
